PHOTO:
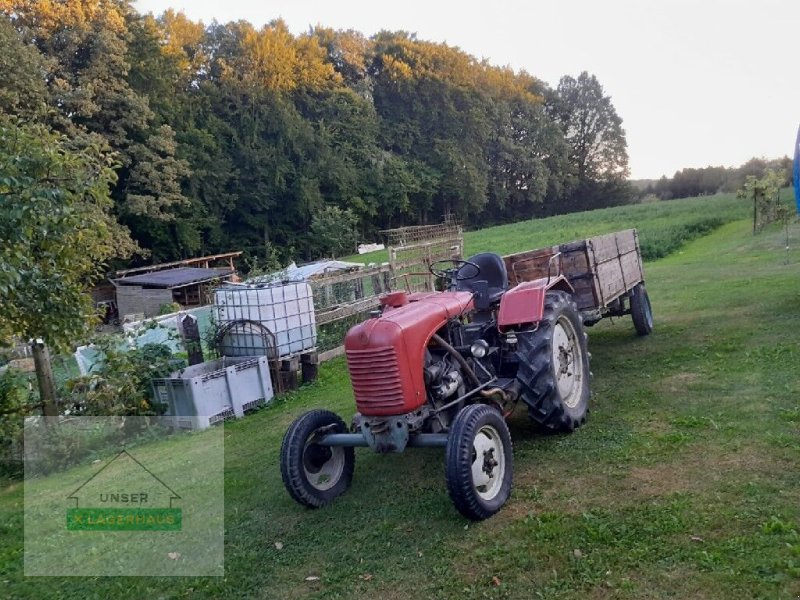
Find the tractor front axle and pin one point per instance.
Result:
(419, 440)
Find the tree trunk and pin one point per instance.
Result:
(44, 377)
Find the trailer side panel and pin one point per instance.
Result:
(600, 269)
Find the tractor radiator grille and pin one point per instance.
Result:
(375, 376)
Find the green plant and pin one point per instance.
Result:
(765, 194)
(266, 262)
(15, 405)
(169, 308)
(121, 383)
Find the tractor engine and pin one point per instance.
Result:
(386, 354)
(443, 378)
(398, 381)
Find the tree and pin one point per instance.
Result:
(22, 75)
(91, 99)
(529, 160)
(334, 231)
(593, 129)
(57, 232)
(765, 194)
(231, 136)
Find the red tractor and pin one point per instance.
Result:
(444, 369)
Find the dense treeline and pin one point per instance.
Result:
(688, 183)
(231, 137)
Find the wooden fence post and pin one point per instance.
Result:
(44, 377)
(191, 339)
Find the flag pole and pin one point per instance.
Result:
(796, 177)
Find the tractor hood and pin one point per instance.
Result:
(385, 354)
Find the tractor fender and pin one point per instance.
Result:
(524, 303)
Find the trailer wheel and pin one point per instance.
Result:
(641, 311)
(315, 475)
(479, 462)
(554, 366)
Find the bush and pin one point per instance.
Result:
(15, 404)
(121, 386)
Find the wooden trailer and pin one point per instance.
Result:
(605, 271)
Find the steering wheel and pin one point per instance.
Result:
(455, 271)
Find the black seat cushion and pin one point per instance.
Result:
(493, 272)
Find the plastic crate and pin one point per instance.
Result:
(201, 395)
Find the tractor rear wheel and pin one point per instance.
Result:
(554, 366)
(641, 311)
(313, 474)
(479, 462)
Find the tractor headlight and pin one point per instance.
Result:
(479, 348)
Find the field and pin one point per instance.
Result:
(682, 484)
(663, 227)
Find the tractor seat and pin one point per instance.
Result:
(493, 278)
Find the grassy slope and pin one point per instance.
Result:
(682, 484)
(663, 226)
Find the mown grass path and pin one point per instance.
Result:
(683, 483)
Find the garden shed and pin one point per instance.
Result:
(147, 293)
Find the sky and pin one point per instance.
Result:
(697, 83)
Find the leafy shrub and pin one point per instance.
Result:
(121, 385)
(15, 404)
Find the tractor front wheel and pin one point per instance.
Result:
(479, 462)
(314, 475)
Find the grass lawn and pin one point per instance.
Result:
(682, 484)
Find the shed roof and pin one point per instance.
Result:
(307, 271)
(171, 278)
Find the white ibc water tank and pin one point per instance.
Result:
(286, 310)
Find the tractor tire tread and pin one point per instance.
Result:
(291, 459)
(640, 307)
(535, 372)
(458, 473)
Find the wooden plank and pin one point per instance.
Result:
(177, 263)
(570, 247)
(585, 296)
(604, 247)
(612, 284)
(349, 276)
(631, 269)
(528, 254)
(626, 241)
(575, 263)
(331, 354)
(529, 265)
(442, 242)
(347, 310)
(530, 271)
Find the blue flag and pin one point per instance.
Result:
(796, 178)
